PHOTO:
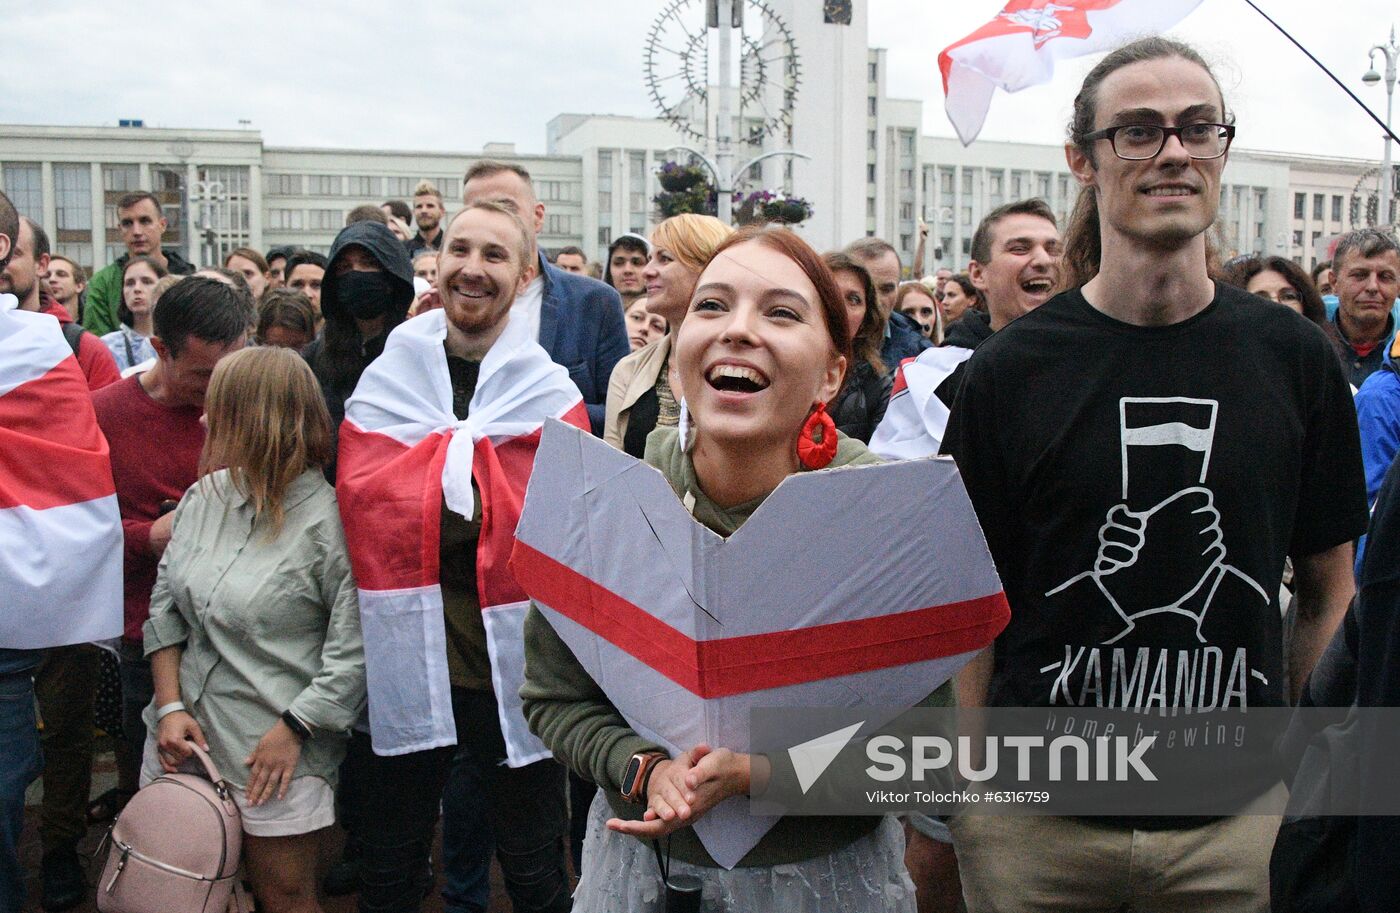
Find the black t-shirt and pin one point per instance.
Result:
(1140, 487)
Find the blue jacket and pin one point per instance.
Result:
(1378, 418)
(902, 340)
(581, 328)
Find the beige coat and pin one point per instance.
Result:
(633, 376)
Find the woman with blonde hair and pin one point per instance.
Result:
(254, 635)
(918, 302)
(642, 392)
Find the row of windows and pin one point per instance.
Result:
(279, 219)
(1319, 201)
(368, 187)
(72, 190)
(359, 186)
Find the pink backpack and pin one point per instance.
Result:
(176, 846)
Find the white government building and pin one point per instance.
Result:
(877, 175)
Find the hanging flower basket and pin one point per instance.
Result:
(676, 178)
(790, 211)
(764, 206)
(699, 199)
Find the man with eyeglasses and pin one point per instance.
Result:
(1143, 451)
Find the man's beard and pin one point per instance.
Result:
(428, 224)
(8, 286)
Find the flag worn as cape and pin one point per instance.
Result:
(402, 453)
(916, 419)
(60, 532)
(1019, 47)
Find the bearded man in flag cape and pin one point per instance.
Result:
(60, 565)
(436, 450)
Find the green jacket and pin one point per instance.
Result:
(571, 714)
(103, 301)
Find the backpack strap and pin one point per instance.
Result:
(73, 332)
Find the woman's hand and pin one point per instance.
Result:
(174, 732)
(684, 789)
(273, 763)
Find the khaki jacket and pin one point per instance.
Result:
(265, 625)
(633, 376)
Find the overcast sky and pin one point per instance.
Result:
(452, 76)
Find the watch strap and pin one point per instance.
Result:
(295, 724)
(645, 762)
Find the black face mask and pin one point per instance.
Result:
(362, 295)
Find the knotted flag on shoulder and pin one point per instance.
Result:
(916, 418)
(402, 454)
(60, 532)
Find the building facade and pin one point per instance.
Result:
(868, 169)
(223, 189)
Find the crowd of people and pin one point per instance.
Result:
(275, 426)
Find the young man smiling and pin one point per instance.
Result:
(578, 320)
(493, 793)
(1143, 452)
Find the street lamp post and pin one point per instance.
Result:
(727, 17)
(208, 194)
(1392, 53)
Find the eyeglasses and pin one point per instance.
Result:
(1284, 296)
(1136, 142)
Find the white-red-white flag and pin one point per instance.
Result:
(402, 454)
(916, 418)
(60, 533)
(1020, 46)
(687, 631)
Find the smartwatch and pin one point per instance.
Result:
(300, 729)
(634, 779)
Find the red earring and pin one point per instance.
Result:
(816, 442)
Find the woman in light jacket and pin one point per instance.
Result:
(641, 392)
(254, 635)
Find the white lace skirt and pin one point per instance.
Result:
(620, 875)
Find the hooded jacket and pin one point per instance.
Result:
(338, 377)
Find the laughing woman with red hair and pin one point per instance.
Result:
(763, 349)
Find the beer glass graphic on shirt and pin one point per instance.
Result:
(1161, 550)
(1166, 444)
